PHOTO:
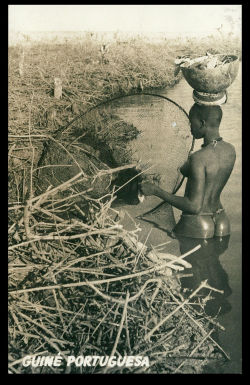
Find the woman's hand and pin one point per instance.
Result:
(148, 188)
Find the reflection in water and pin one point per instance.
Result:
(206, 263)
(206, 266)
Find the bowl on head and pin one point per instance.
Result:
(211, 80)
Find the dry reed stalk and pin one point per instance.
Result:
(120, 328)
(199, 325)
(61, 318)
(180, 306)
(97, 282)
(195, 349)
(48, 276)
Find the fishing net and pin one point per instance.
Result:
(150, 131)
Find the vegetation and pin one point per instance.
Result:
(61, 299)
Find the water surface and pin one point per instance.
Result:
(229, 259)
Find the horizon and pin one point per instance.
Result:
(33, 36)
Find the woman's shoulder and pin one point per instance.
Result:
(230, 146)
(196, 155)
(197, 160)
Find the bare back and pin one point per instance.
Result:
(217, 164)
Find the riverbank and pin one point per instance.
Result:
(50, 244)
(92, 71)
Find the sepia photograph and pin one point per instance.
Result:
(125, 189)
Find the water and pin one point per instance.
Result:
(229, 257)
(164, 138)
(231, 131)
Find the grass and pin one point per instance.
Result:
(69, 274)
(89, 76)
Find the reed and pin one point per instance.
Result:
(89, 287)
(79, 282)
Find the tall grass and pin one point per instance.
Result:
(50, 253)
(90, 75)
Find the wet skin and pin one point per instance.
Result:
(207, 171)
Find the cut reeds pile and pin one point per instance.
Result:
(83, 285)
(79, 283)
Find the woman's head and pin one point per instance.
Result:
(203, 118)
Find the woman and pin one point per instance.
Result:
(207, 172)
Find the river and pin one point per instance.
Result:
(231, 131)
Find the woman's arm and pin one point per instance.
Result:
(194, 194)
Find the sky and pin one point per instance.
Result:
(139, 18)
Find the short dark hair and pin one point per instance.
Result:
(211, 114)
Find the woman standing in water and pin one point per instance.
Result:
(203, 220)
(207, 172)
